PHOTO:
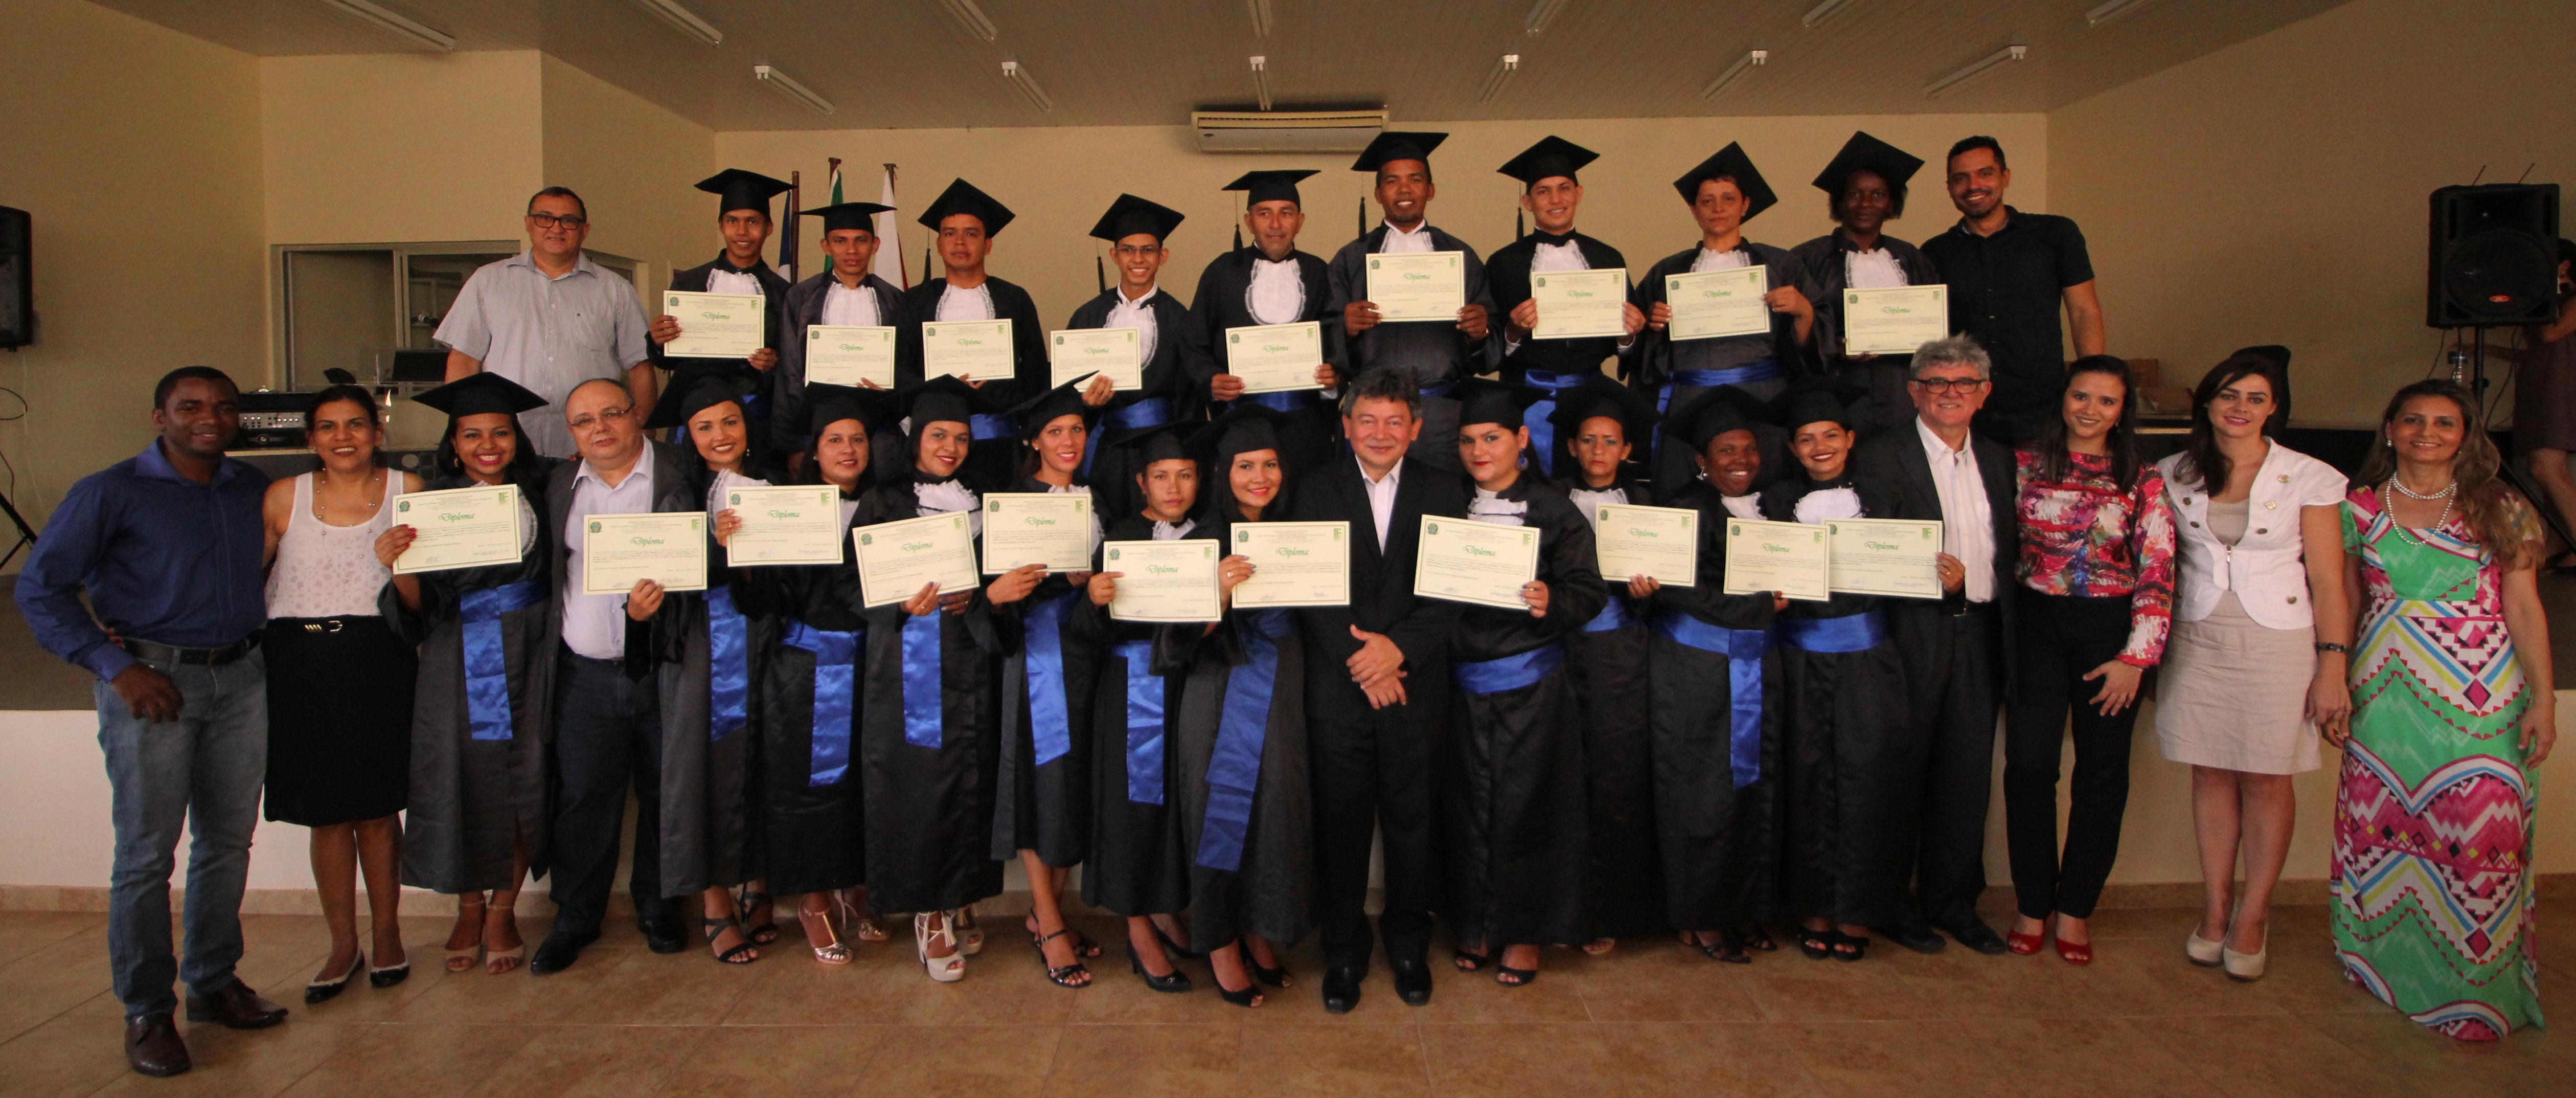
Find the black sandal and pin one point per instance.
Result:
(1275, 977)
(1755, 938)
(763, 930)
(1083, 946)
(1061, 975)
(1817, 944)
(1473, 962)
(1850, 947)
(1508, 976)
(715, 928)
(1726, 950)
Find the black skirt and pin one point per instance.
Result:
(339, 720)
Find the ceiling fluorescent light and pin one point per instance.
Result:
(971, 19)
(400, 26)
(1261, 80)
(1261, 23)
(1502, 74)
(683, 20)
(1027, 87)
(780, 83)
(2008, 53)
(1735, 72)
(1821, 12)
(1541, 14)
(2112, 10)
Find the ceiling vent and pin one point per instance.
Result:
(1286, 131)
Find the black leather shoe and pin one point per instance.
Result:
(1973, 933)
(235, 1006)
(1412, 979)
(1915, 936)
(1341, 990)
(558, 952)
(153, 1047)
(662, 933)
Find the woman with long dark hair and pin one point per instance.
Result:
(2095, 597)
(2452, 708)
(2260, 632)
(340, 681)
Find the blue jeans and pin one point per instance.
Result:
(201, 771)
(608, 735)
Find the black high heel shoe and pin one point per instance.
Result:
(1175, 983)
(1170, 947)
(1275, 977)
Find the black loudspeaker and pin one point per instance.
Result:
(17, 279)
(2494, 256)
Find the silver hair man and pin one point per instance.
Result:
(1954, 351)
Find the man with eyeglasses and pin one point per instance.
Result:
(1952, 648)
(1178, 367)
(550, 319)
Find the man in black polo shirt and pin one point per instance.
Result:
(2007, 271)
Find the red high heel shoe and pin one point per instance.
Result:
(2025, 944)
(2073, 953)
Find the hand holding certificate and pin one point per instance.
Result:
(1710, 304)
(784, 525)
(1791, 558)
(458, 528)
(669, 548)
(978, 350)
(1886, 557)
(1052, 529)
(1418, 285)
(1475, 562)
(1275, 358)
(849, 355)
(1580, 304)
(1894, 320)
(1294, 564)
(715, 325)
(1113, 353)
(897, 558)
(1163, 581)
(1661, 543)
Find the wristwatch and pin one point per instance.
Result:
(2329, 646)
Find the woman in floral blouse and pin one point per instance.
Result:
(2096, 594)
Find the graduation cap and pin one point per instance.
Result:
(1269, 186)
(1393, 145)
(1713, 413)
(1733, 164)
(827, 404)
(1602, 397)
(696, 389)
(1248, 427)
(848, 215)
(1813, 398)
(1160, 442)
(1064, 400)
(482, 393)
(942, 399)
(1130, 215)
(742, 190)
(1482, 401)
(961, 197)
(1552, 156)
(1864, 153)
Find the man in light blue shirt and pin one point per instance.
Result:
(550, 319)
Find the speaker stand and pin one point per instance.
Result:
(2540, 504)
(26, 534)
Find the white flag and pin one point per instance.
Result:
(889, 261)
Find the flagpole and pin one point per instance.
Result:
(787, 244)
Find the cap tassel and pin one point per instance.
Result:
(1517, 230)
(1100, 273)
(1238, 238)
(926, 274)
(1363, 217)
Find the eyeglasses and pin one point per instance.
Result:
(1125, 251)
(607, 415)
(1942, 386)
(550, 221)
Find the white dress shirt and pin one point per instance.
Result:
(595, 625)
(1137, 314)
(844, 307)
(1826, 506)
(1381, 497)
(1168, 531)
(962, 304)
(1493, 508)
(1746, 506)
(1550, 257)
(1707, 260)
(1589, 501)
(948, 497)
(722, 281)
(1875, 269)
(1398, 240)
(1967, 521)
(1278, 291)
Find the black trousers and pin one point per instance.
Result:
(1952, 662)
(2060, 638)
(1372, 772)
(608, 735)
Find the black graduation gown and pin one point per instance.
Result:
(1613, 689)
(1886, 405)
(1137, 866)
(1224, 300)
(475, 803)
(709, 822)
(759, 409)
(1435, 354)
(1671, 370)
(994, 459)
(1514, 825)
(808, 776)
(928, 808)
(804, 310)
(1176, 376)
(1558, 363)
(1046, 807)
(1719, 839)
(1853, 763)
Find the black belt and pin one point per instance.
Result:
(566, 649)
(150, 652)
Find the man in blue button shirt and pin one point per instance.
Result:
(168, 545)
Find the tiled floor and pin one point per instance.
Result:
(1653, 1019)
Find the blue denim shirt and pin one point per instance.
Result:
(163, 558)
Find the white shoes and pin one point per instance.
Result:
(2240, 966)
(930, 926)
(2247, 967)
(2205, 953)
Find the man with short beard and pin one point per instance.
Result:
(2008, 272)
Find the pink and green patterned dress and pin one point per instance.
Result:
(2433, 817)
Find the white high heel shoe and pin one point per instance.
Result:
(2205, 953)
(2247, 967)
(933, 925)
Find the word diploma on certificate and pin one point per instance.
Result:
(1711, 304)
(1114, 353)
(667, 547)
(1294, 564)
(716, 325)
(1581, 304)
(1661, 543)
(1163, 581)
(1894, 320)
(459, 528)
(978, 350)
(1418, 285)
(798, 524)
(896, 559)
(1792, 558)
(838, 354)
(1275, 358)
(1462, 560)
(1047, 528)
(1886, 557)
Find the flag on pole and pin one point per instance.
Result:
(889, 261)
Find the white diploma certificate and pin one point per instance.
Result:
(1113, 353)
(798, 524)
(897, 558)
(1580, 304)
(979, 350)
(1275, 358)
(1886, 557)
(848, 355)
(715, 325)
(1658, 542)
(1710, 304)
(1293, 564)
(1462, 560)
(1894, 320)
(1049, 528)
(667, 547)
(1166, 581)
(1418, 285)
(1792, 558)
(459, 528)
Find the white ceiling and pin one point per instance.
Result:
(905, 63)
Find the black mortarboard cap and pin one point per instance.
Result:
(1552, 156)
(1246, 428)
(942, 399)
(1482, 401)
(1064, 400)
(1160, 442)
(827, 404)
(481, 393)
(1130, 215)
(695, 389)
(1866, 153)
(1713, 413)
(1393, 145)
(1733, 164)
(1813, 398)
(1600, 396)
(961, 197)
(742, 190)
(1270, 186)
(849, 215)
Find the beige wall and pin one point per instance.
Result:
(400, 147)
(633, 164)
(137, 149)
(2274, 191)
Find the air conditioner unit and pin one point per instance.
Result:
(1286, 131)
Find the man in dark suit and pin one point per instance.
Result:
(1952, 648)
(1377, 694)
(1434, 355)
(842, 294)
(966, 221)
(608, 724)
(742, 215)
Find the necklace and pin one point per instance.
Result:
(2447, 491)
(2449, 497)
(322, 483)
